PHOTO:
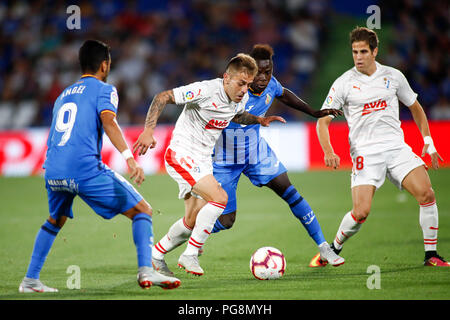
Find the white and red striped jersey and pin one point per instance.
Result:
(207, 111)
(370, 105)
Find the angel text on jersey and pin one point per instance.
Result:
(76, 89)
(216, 124)
(374, 106)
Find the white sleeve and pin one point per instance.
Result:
(335, 98)
(404, 92)
(190, 93)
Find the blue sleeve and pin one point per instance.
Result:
(108, 99)
(278, 87)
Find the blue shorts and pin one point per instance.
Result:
(266, 169)
(108, 194)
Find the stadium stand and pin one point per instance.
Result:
(163, 44)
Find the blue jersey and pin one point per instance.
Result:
(238, 143)
(75, 139)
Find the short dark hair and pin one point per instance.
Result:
(262, 52)
(242, 62)
(364, 34)
(92, 53)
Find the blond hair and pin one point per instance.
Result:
(242, 63)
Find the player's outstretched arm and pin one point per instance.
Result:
(114, 133)
(248, 118)
(420, 118)
(330, 158)
(146, 139)
(292, 100)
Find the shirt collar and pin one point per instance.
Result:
(223, 94)
(377, 65)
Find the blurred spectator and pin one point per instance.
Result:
(420, 50)
(441, 111)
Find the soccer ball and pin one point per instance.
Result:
(267, 263)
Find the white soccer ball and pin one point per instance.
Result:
(267, 263)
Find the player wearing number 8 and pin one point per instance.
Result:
(369, 95)
(73, 167)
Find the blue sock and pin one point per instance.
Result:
(303, 212)
(44, 241)
(218, 227)
(143, 238)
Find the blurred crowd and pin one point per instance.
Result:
(158, 45)
(420, 47)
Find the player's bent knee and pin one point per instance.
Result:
(141, 207)
(59, 222)
(227, 220)
(360, 215)
(426, 196)
(145, 208)
(221, 197)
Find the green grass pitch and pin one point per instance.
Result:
(391, 239)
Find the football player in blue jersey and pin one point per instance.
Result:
(73, 167)
(241, 149)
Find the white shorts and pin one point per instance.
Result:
(186, 169)
(372, 169)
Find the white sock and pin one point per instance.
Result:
(349, 226)
(178, 233)
(429, 222)
(204, 223)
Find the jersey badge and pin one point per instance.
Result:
(114, 98)
(189, 95)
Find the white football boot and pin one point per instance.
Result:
(29, 285)
(190, 264)
(148, 277)
(327, 254)
(160, 265)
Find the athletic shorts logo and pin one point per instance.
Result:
(329, 100)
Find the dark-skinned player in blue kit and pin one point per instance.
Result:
(253, 157)
(73, 167)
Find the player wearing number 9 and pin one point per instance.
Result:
(73, 167)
